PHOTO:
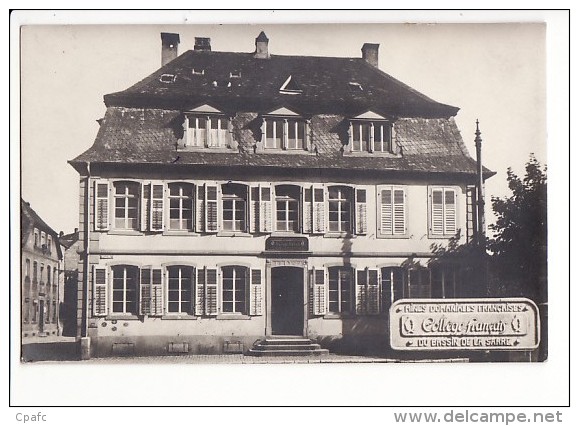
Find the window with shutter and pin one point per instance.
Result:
(418, 283)
(101, 205)
(339, 209)
(234, 289)
(266, 209)
(319, 291)
(100, 292)
(307, 210)
(319, 210)
(340, 289)
(254, 216)
(393, 280)
(180, 284)
(145, 206)
(200, 208)
(157, 207)
(361, 227)
(367, 292)
(255, 294)
(443, 212)
(391, 211)
(211, 209)
(287, 208)
(145, 290)
(200, 292)
(443, 279)
(234, 202)
(361, 292)
(127, 198)
(211, 293)
(181, 215)
(125, 289)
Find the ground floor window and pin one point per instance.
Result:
(180, 289)
(443, 280)
(340, 289)
(125, 280)
(393, 282)
(234, 290)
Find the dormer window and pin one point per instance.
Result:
(284, 130)
(370, 132)
(167, 78)
(207, 127)
(198, 71)
(290, 87)
(235, 74)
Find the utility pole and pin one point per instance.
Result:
(480, 194)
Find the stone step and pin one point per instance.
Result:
(281, 347)
(285, 341)
(293, 352)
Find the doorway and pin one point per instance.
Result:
(287, 301)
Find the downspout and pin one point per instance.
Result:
(86, 251)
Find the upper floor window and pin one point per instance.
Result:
(126, 205)
(43, 240)
(287, 208)
(370, 132)
(234, 198)
(181, 206)
(36, 238)
(339, 209)
(283, 129)
(27, 270)
(391, 211)
(35, 271)
(210, 131)
(48, 275)
(49, 244)
(443, 215)
(41, 272)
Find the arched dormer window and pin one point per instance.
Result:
(370, 132)
(284, 130)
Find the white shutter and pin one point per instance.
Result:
(100, 292)
(200, 208)
(101, 205)
(449, 211)
(373, 307)
(145, 291)
(265, 209)
(255, 293)
(145, 206)
(386, 212)
(361, 215)
(211, 208)
(318, 210)
(211, 293)
(307, 210)
(200, 292)
(437, 212)
(157, 305)
(254, 216)
(399, 207)
(319, 291)
(361, 291)
(156, 222)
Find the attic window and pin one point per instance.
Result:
(198, 71)
(355, 86)
(167, 78)
(235, 74)
(290, 87)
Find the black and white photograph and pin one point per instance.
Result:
(322, 195)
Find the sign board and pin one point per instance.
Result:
(464, 324)
(286, 244)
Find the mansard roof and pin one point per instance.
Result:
(141, 136)
(320, 85)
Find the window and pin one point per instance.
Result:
(43, 240)
(393, 283)
(391, 211)
(339, 289)
(42, 272)
(209, 131)
(181, 206)
(339, 209)
(418, 283)
(167, 78)
(367, 292)
(284, 133)
(234, 207)
(234, 289)
(443, 279)
(36, 238)
(48, 275)
(180, 289)
(370, 136)
(126, 205)
(125, 289)
(442, 212)
(55, 280)
(27, 269)
(35, 271)
(287, 208)
(49, 244)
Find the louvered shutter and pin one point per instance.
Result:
(254, 209)
(101, 205)
(319, 290)
(100, 292)
(318, 210)
(307, 210)
(145, 292)
(361, 291)
(145, 206)
(265, 209)
(200, 208)
(211, 293)
(157, 305)
(200, 292)
(361, 214)
(437, 212)
(386, 212)
(449, 212)
(157, 204)
(373, 307)
(399, 207)
(211, 208)
(255, 293)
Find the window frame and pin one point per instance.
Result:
(360, 127)
(206, 140)
(349, 197)
(380, 233)
(126, 197)
(181, 198)
(235, 198)
(350, 291)
(300, 126)
(192, 290)
(136, 280)
(287, 199)
(243, 272)
(445, 212)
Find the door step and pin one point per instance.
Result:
(286, 346)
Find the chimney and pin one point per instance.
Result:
(370, 53)
(169, 47)
(202, 43)
(261, 46)
(75, 230)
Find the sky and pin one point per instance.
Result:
(493, 72)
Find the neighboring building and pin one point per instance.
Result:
(232, 196)
(68, 307)
(41, 275)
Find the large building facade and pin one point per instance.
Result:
(232, 196)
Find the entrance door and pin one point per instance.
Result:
(287, 301)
